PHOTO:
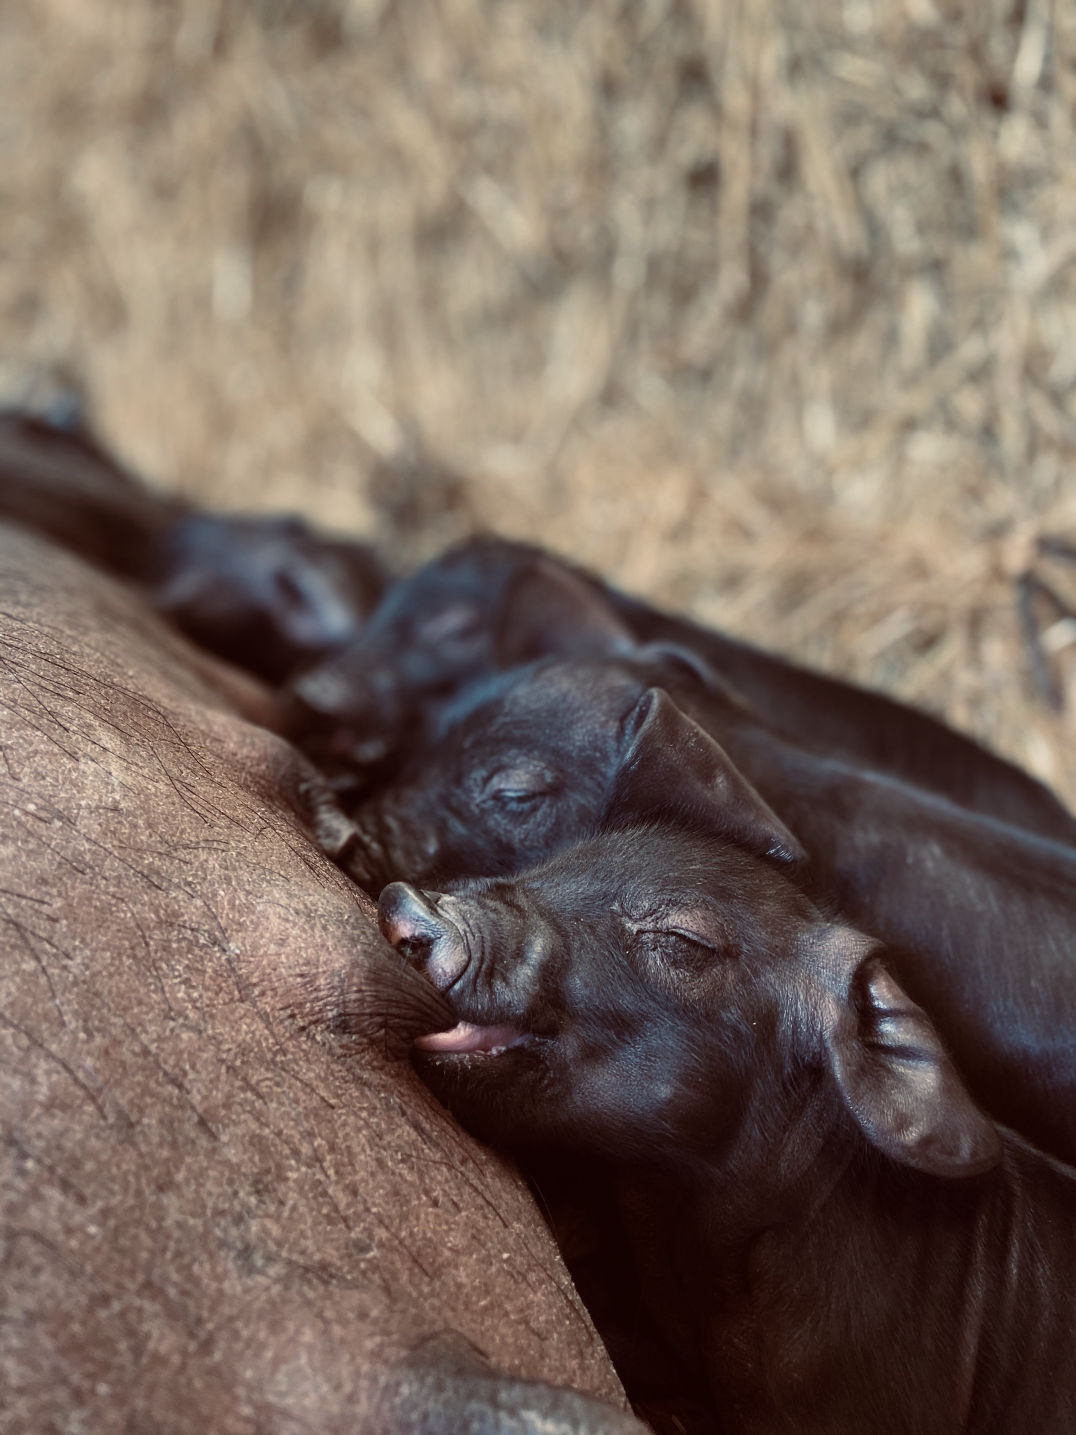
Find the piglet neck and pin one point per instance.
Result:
(790, 1152)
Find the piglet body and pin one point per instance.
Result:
(820, 1219)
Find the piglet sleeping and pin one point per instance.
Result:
(820, 1216)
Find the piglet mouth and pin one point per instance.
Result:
(465, 1039)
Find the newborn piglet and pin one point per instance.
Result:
(818, 1210)
(57, 480)
(531, 760)
(450, 624)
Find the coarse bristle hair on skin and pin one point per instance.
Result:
(761, 310)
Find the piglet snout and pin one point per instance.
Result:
(349, 689)
(421, 934)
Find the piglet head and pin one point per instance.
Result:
(432, 633)
(534, 760)
(577, 992)
(487, 606)
(659, 995)
(522, 768)
(268, 593)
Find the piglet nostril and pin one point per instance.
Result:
(414, 949)
(406, 919)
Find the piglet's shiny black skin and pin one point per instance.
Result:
(56, 479)
(784, 1136)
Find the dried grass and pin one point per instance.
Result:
(765, 309)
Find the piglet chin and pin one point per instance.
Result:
(464, 1037)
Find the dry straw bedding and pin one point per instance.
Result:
(767, 310)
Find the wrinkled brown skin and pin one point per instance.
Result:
(226, 1205)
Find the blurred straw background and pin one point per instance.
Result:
(764, 309)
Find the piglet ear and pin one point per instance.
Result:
(672, 766)
(683, 662)
(549, 611)
(900, 1085)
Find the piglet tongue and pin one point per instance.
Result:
(465, 1037)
